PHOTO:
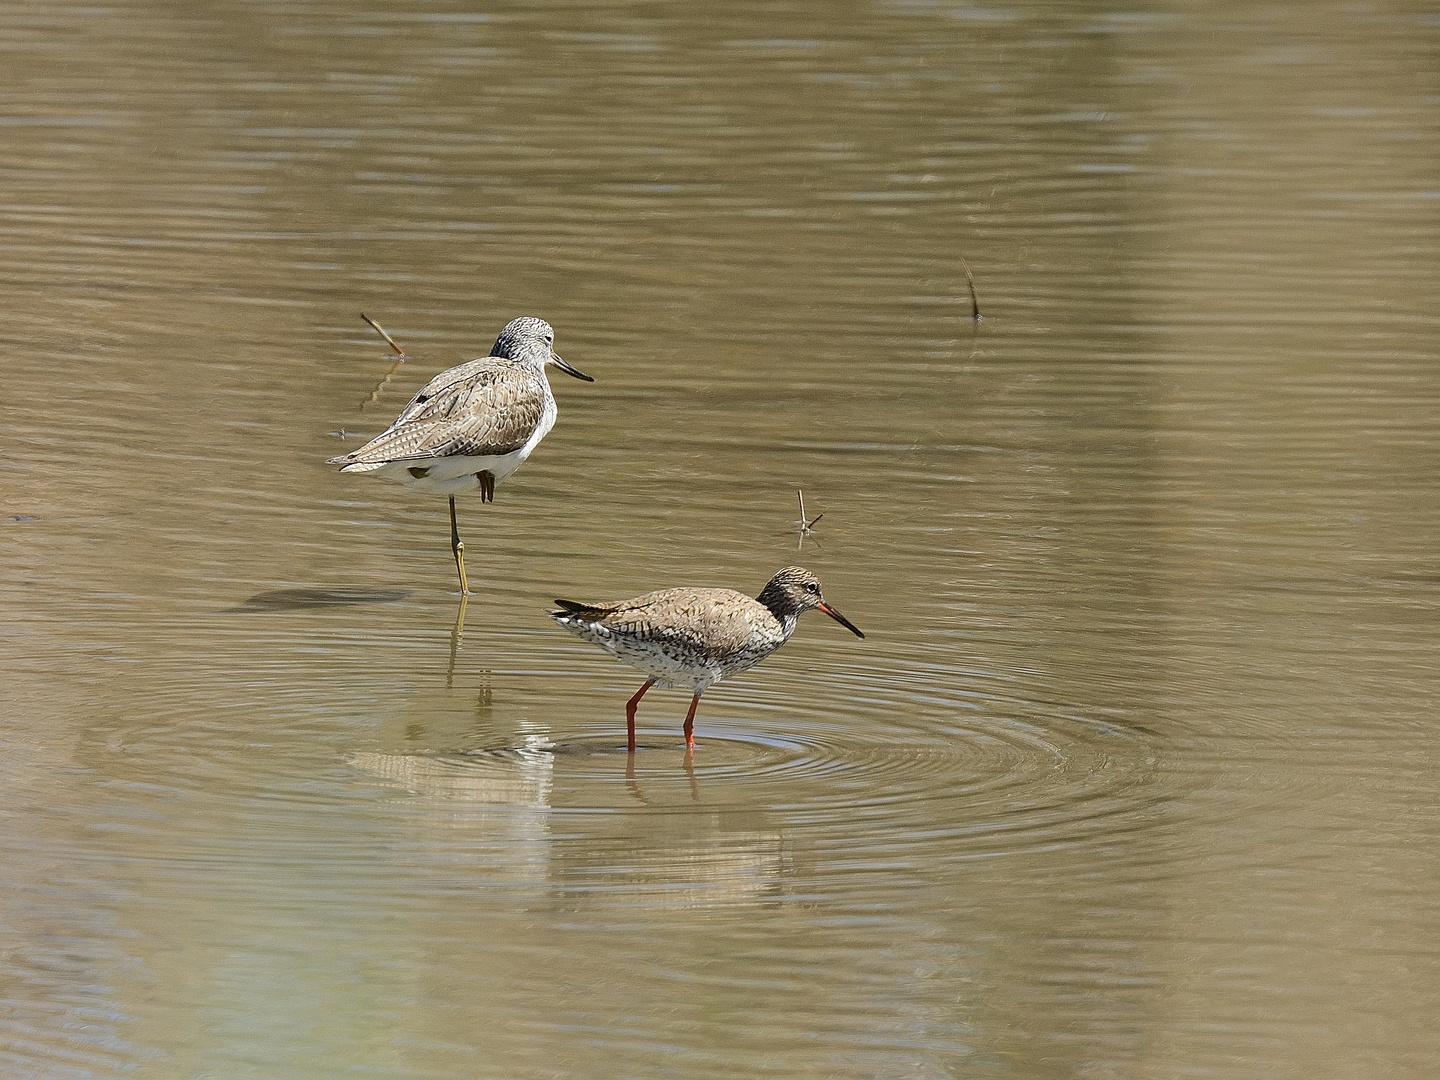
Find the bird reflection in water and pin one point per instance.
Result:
(687, 762)
(305, 599)
(456, 633)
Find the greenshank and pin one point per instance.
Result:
(472, 425)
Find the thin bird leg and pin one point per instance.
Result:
(690, 724)
(458, 548)
(630, 714)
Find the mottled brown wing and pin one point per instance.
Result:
(479, 409)
(452, 387)
(699, 619)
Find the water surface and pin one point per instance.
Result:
(1131, 776)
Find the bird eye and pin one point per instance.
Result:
(811, 586)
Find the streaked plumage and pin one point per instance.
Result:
(472, 425)
(695, 637)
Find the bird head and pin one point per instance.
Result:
(532, 339)
(795, 590)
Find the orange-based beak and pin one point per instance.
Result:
(828, 610)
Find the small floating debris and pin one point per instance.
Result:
(974, 298)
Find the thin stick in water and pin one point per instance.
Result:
(807, 525)
(399, 352)
(974, 299)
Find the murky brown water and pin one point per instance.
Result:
(1133, 775)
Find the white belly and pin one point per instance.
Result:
(450, 475)
(456, 473)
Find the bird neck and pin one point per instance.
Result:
(780, 606)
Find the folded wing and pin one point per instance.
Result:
(467, 411)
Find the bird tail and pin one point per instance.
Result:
(348, 463)
(570, 607)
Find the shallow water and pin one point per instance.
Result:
(1130, 777)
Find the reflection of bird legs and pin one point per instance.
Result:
(458, 548)
(630, 783)
(688, 764)
(455, 635)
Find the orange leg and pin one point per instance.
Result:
(630, 714)
(690, 723)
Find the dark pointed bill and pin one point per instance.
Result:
(828, 610)
(563, 366)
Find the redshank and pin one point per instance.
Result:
(694, 637)
(472, 425)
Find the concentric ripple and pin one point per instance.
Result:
(988, 784)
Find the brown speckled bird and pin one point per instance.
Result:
(472, 425)
(694, 637)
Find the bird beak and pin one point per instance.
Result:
(563, 366)
(828, 610)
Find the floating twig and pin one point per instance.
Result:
(400, 354)
(807, 524)
(974, 299)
